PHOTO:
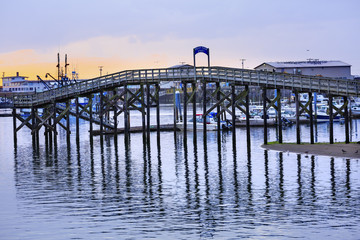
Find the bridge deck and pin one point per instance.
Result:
(339, 87)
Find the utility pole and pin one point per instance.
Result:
(242, 62)
(100, 69)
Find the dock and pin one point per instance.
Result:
(137, 129)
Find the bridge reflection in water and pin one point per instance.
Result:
(175, 187)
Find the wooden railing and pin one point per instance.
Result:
(340, 87)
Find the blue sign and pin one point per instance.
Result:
(201, 49)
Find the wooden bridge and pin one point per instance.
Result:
(116, 95)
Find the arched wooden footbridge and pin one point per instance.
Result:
(116, 93)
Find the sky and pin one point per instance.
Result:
(135, 34)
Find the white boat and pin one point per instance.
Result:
(211, 123)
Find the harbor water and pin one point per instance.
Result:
(175, 188)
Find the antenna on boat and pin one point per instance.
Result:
(58, 65)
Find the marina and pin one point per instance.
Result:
(164, 120)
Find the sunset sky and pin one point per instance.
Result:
(133, 34)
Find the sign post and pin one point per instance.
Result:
(201, 49)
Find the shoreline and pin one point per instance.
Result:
(351, 150)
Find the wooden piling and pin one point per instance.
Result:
(91, 116)
(297, 106)
(280, 137)
(218, 95)
(331, 119)
(115, 112)
(247, 113)
(126, 120)
(204, 108)
(158, 110)
(311, 119)
(68, 121)
(101, 113)
(54, 123)
(77, 119)
(233, 116)
(346, 118)
(14, 125)
(193, 85)
(184, 85)
(148, 110)
(265, 116)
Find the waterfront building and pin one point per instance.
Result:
(315, 67)
(20, 84)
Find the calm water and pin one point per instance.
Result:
(175, 189)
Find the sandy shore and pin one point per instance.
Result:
(351, 150)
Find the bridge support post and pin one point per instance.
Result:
(311, 119)
(331, 119)
(297, 106)
(54, 123)
(115, 116)
(143, 122)
(204, 108)
(346, 113)
(265, 116)
(126, 120)
(185, 106)
(218, 96)
(280, 137)
(233, 116)
(91, 116)
(77, 120)
(218, 109)
(68, 121)
(175, 110)
(33, 124)
(148, 111)
(193, 86)
(158, 110)
(247, 113)
(50, 133)
(36, 127)
(14, 126)
(101, 113)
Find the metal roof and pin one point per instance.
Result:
(306, 64)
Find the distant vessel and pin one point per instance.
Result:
(211, 123)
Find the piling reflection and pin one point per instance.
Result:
(194, 189)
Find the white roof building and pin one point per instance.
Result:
(20, 84)
(314, 67)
